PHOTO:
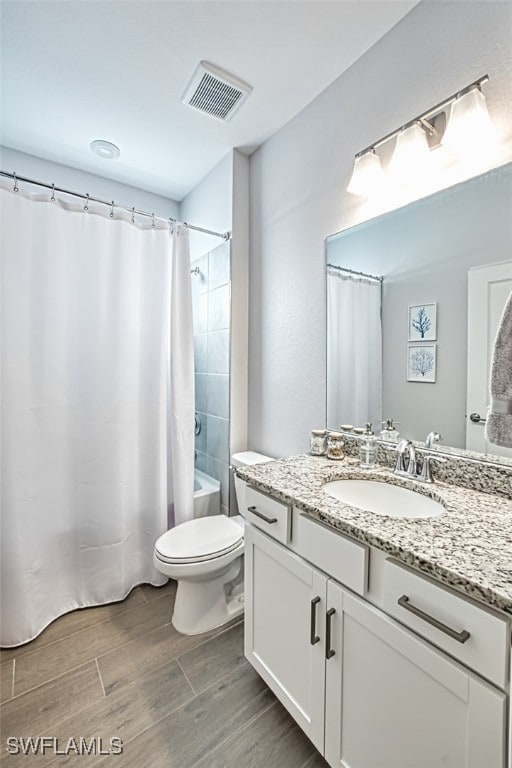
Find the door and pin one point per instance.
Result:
(284, 629)
(392, 701)
(488, 289)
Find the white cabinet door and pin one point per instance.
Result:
(394, 702)
(284, 629)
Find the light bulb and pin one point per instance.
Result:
(470, 131)
(411, 162)
(367, 176)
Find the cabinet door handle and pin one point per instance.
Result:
(461, 637)
(329, 652)
(268, 520)
(313, 636)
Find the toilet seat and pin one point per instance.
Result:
(199, 540)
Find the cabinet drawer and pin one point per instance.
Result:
(269, 515)
(342, 558)
(472, 634)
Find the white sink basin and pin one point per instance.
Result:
(383, 498)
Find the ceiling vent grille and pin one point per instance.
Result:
(215, 92)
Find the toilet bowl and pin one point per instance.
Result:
(205, 557)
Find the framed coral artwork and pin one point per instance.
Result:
(421, 363)
(422, 322)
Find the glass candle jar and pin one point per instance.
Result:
(317, 444)
(335, 446)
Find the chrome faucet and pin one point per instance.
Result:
(400, 468)
(409, 468)
(432, 437)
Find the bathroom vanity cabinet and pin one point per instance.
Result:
(367, 675)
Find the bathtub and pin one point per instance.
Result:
(206, 495)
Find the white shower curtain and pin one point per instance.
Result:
(97, 372)
(354, 352)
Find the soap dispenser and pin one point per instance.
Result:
(368, 448)
(389, 430)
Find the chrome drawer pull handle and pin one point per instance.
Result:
(268, 520)
(329, 652)
(461, 637)
(313, 636)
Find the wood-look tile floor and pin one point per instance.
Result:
(122, 671)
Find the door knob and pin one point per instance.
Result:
(476, 418)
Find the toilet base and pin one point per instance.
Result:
(201, 606)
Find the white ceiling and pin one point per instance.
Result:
(78, 70)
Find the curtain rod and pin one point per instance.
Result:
(111, 204)
(353, 272)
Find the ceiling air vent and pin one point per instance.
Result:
(214, 92)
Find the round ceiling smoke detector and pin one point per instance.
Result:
(105, 149)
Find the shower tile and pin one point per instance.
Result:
(219, 308)
(220, 471)
(201, 353)
(201, 461)
(217, 438)
(200, 439)
(199, 282)
(218, 352)
(217, 395)
(201, 389)
(220, 265)
(200, 313)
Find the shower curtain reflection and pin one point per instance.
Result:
(354, 349)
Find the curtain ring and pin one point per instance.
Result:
(152, 221)
(15, 189)
(53, 193)
(133, 215)
(112, 210)
(86, 206)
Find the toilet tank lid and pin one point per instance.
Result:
(246, 458)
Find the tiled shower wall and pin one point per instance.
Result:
(211, 303)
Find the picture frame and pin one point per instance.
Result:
(422, 322)
(422, 363)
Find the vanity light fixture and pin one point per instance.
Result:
(367, 175)
(468, 129)
(411, 155)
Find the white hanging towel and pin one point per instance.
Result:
(498, 429)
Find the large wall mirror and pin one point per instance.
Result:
(414, 300)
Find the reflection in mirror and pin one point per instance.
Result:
(354, 354)
(425, 253)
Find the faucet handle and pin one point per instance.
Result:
(426, 473)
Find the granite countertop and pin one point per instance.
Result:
(469, 547)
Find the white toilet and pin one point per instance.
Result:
(205, 556)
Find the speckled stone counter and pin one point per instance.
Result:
(469, 547)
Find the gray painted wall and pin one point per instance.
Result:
(424, 252)
(298, 195)
(86, 183)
